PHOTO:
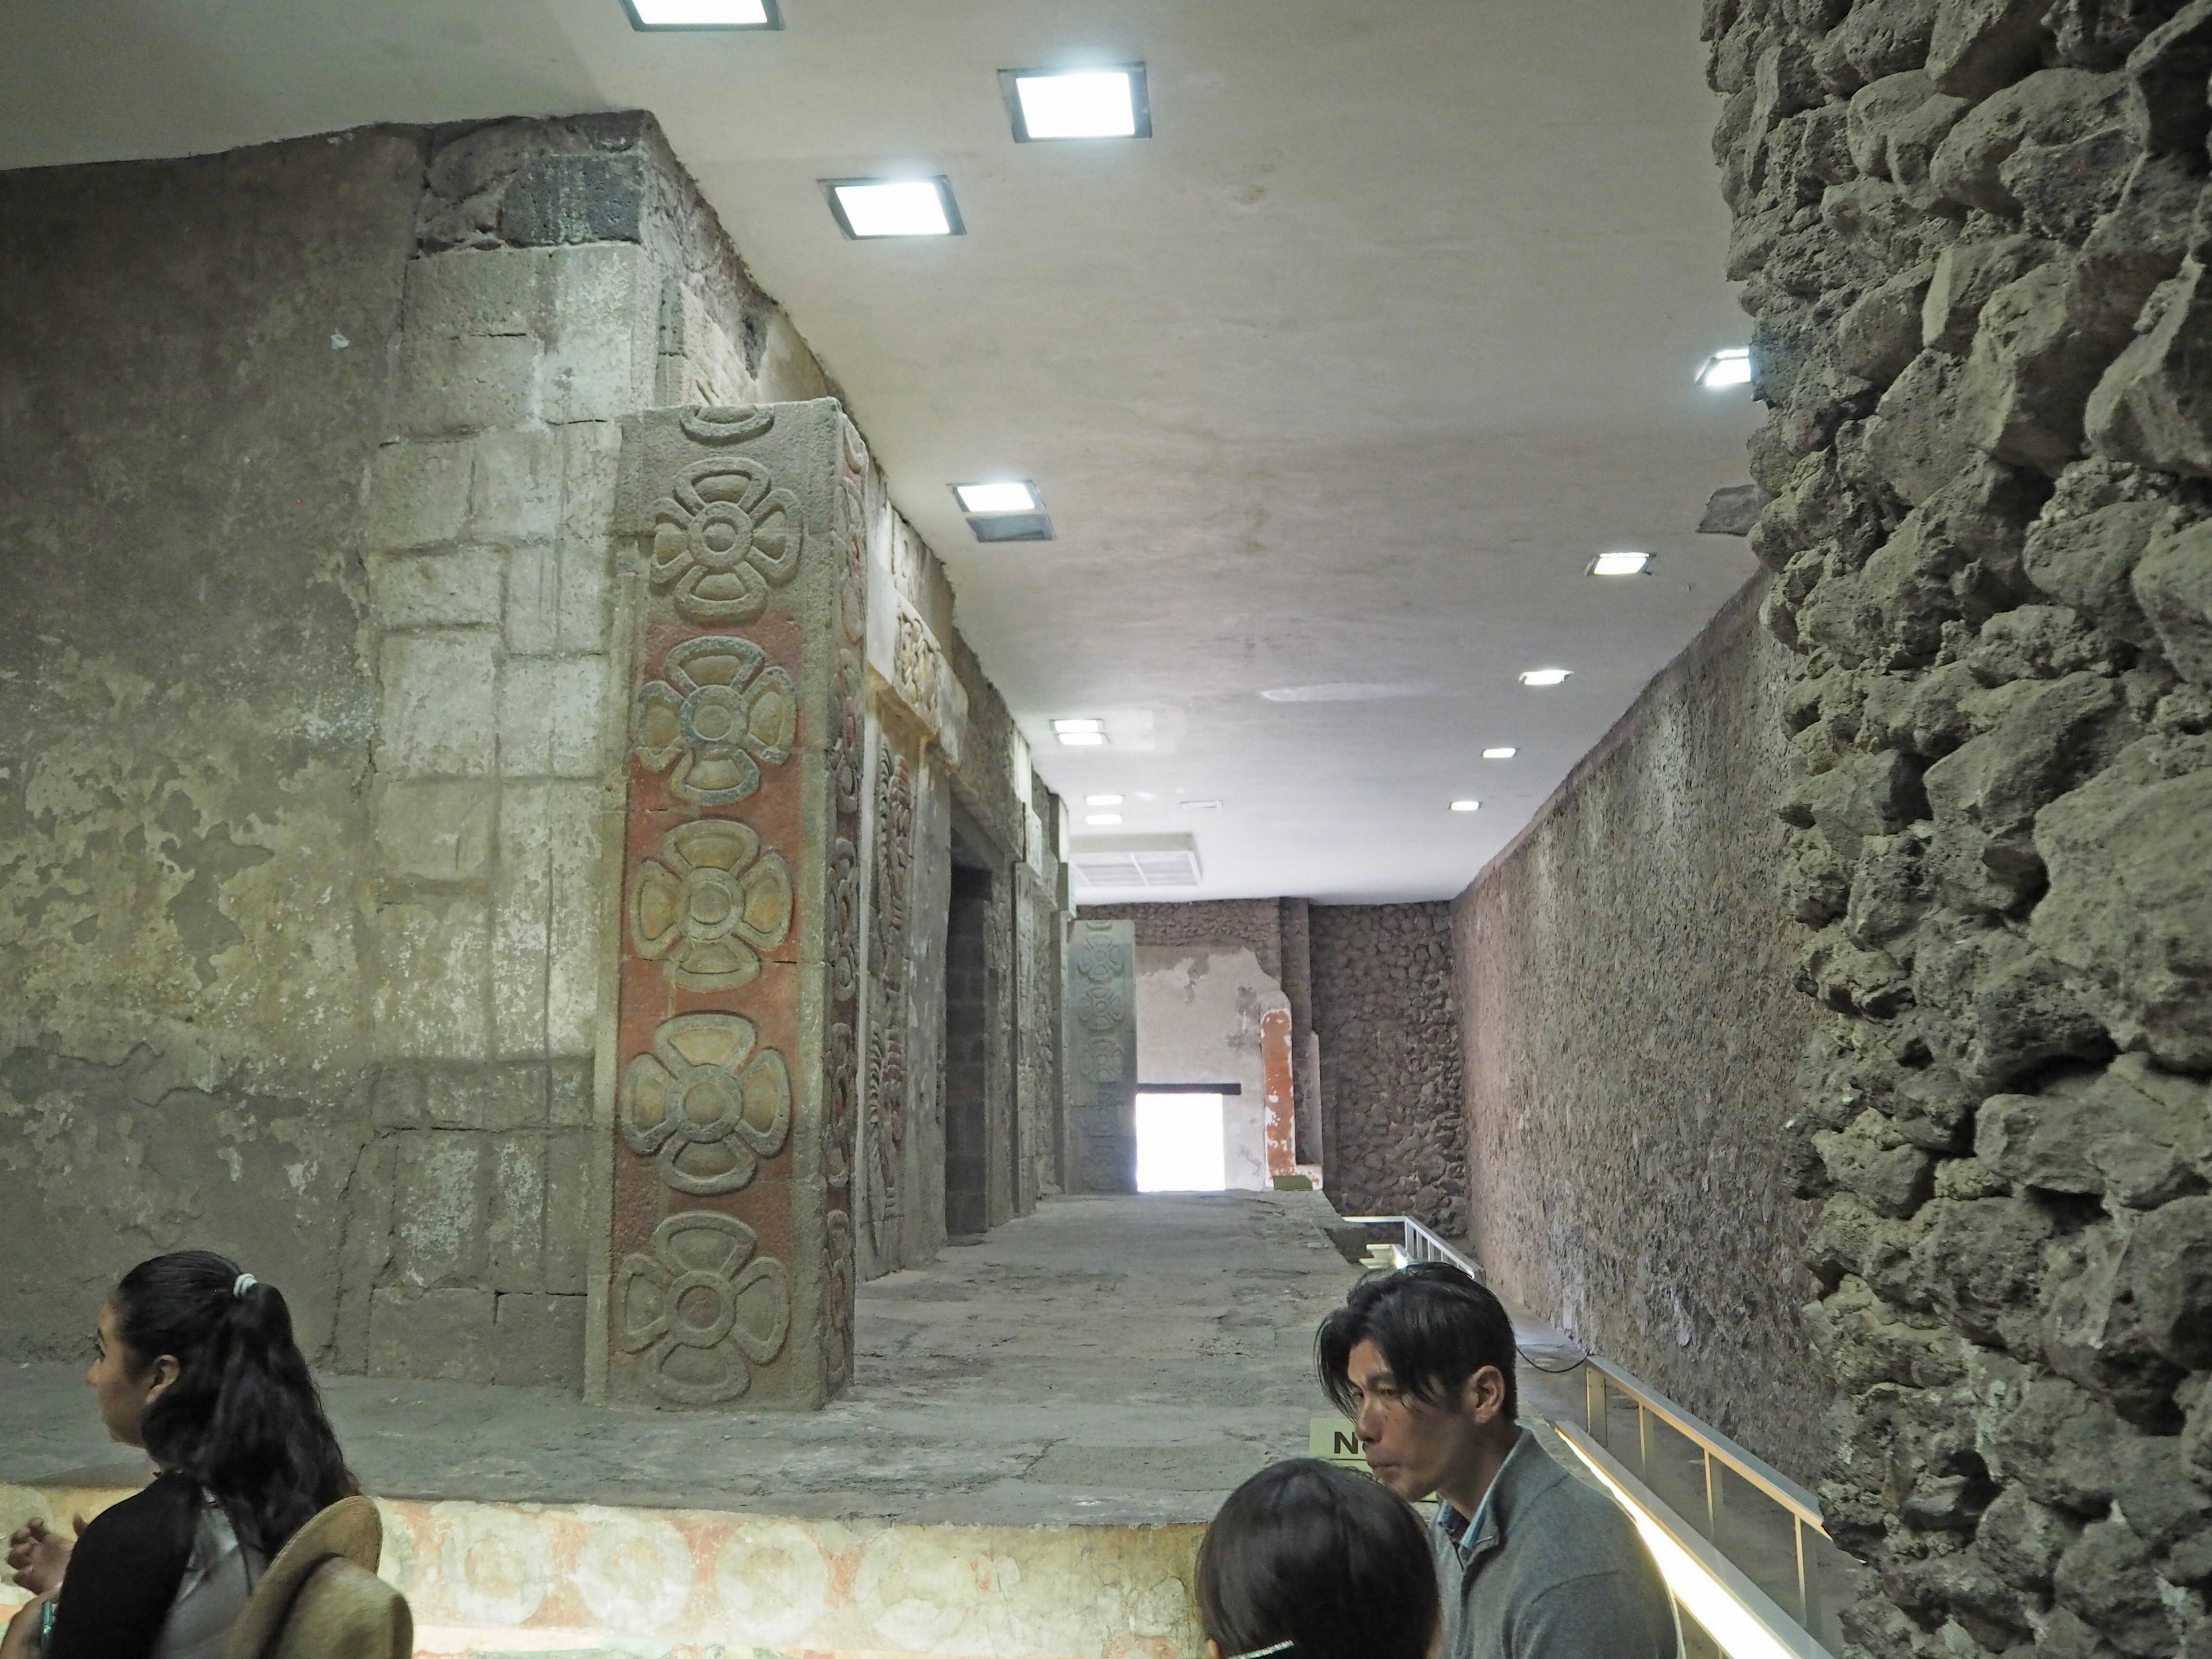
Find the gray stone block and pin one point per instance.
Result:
(432, 986)
(514, 493)
(418, 495)
(538, 1341)
(489, 1096)
(571, 1103)
(472, 384)
(515, 1227)
(479, 291)
(573, 1230)
(435, 590)
(439, 1221)
(435, 832)
(552, 716)
(557, 199)
(446, 1335)
(437, 712)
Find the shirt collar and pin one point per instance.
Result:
(1476, 1537)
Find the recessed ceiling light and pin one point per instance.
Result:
(1466, 805)
(1001, 496)
(1546, 677)
(1100, 820)
(646, 14)
(1105, 102)
(1502, 752)
(1066, 726)
(1084, 740)
(1621, 564)
(1101, 800)
(1726, 369)
(866, 208)
(1203, 805)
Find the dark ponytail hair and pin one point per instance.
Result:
(1333, 1563)
(244, 1418)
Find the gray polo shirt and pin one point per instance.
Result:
(1548, 1568)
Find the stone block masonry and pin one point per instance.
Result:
(1972, 236)
(319, 663)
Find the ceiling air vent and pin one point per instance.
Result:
(1128, 862)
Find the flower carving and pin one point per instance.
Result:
(1099, 957)
(703, 1105)
(708, 1312)
(726, 423)
(724, 538)
(711, 904)
(715, 715)
(1100, 1008)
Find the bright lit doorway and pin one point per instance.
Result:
(1179, 1143)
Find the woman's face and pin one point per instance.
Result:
(122, 1396)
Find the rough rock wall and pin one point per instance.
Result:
(1255, 924)
(1629, 1025)
(1972, 234)
(1390, 1062)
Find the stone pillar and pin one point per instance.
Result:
(730, 1267)
(1102, 1035)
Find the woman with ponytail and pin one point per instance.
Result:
(196, 1363)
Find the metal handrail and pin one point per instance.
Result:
(1749, 1465)
(1421, 1244)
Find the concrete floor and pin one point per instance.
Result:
(1109, 1361)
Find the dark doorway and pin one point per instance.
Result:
(967, 1052)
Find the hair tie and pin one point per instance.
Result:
(1262, 1653)
(243, 1284)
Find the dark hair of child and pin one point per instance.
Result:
(1323, 1558)
(244, 1418)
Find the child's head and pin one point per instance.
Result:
(1322, 1559)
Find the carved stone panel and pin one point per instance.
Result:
(1102, 1076)
(729, 1278)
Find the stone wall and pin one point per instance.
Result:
(1390, 1062)
(1630, 1036)
(315, 664)
(1972, 234)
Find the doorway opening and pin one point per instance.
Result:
(967, 1053)
(1180, 1144)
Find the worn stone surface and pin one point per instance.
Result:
(1630, 1035)
(1386, 1015)
(1998, 737)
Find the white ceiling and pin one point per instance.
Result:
(1339, 380)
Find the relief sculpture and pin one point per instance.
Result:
(706, 1311)
(715, 717)
(723, 539)
(1103, 1041)
(883, 1128)
(710, 904)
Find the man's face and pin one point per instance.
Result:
(1412, 1444)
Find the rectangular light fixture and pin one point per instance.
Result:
(1010, 526)
(1502, 752)
(1621, 564)
(1726, 369)
(1101, 800)
(867, 209)
(999, 495)
(1546, 677)
(1106, 100)
(1064, 726)
(1080, 733)
(1102, 820)
(1467, 807)
(647, 16)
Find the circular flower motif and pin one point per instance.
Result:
(711, 905)
(700, 1309)
(1098, 957)
(716, 713)
(1100, 1008)
(723, 539)
(703, 1106)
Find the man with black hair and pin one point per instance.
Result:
(1532, 1563)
